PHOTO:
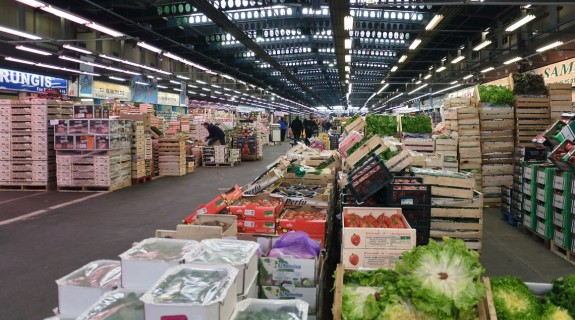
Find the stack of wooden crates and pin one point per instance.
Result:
(172, 156)
(469, 142)
(497, 127)
(559, 99)
(138, 153)
(532, 117)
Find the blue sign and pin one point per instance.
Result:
(144, 89)
(23, 81)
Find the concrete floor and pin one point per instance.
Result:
(76, 228)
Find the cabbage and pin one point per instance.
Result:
(444, 279)
(359, 303)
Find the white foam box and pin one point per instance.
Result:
(220, 309)
(279, 306)
(380, 238)
(287, 292)
(76, 291)
(216, 250)
(144, 264)
(252, 292)
(370, 258)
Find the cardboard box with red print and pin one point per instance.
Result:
(260, 207)
(308, 219)
(370, 258)
(256, 226)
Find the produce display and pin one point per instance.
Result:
(350, 120)
(388, 154)
(258, 202)
(97, 274)
(416, 124)
(436, 281)
(381, 124)
(496, 95)
(359, 144)
(163, 249)
(394, 221)
(192, 284)
(304, 215)
(234, 252)
(116, 305)
(528, 84)
(259, 309)
(514, 300)
(562, 153)
(348, 142)
(441, 173)
(298, 191)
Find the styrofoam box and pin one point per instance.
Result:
(251, 292)
(141, 267)
(115, 303)
(75, 297)
(218, 250)
(256, 305)
(220, 308)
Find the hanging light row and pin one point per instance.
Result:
(285, 51)
(243, 3)
(244, 15)
(326, 50)
(387, 15)
(324, 11)
(380, 34)
(381, 53)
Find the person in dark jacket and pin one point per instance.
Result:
(215, 134)
(309, 126)
(283, 128)
(296, 128)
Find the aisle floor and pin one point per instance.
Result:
(77, 228)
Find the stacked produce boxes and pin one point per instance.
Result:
(469, 148)
(522, 157)
(496, 151)
(544, 201)
(139, 169)
(27, 160)
(448, 148)
(531, 118)
(529, 193)
(561, 210)
(559, 99)
(172, 156)
(220, 154)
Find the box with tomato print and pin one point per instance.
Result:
(370, 258)
(308, 219)
(260, 207)
(256, 226)
(376, 228)
(563, 156)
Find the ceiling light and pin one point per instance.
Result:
(142, 83)
(482, 45)
(347, 43)
(348, 23)
(19, 33)
(394, 69)
(487, 70)
(347, 68)
(32, 3)
(64, 14)
(512, 60)
(550, 46)
(419, 88)
(177, 89)
(149, 47)
(69, 47)
(467, 76)
(42, 52)
(457, 59)
(105, 30)
(434, 22)
(347, 58)
(175, 82)
(20, 60)
(161, 86)
(520, 22)
(440, 69)
(192, 86)
(202, 82)
(427, 76)
(418, 82)
(414, 44)
(182, 77)
(402, 59)
(117, 78)
(453, 82)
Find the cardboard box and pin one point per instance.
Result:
(370, 258)
(60, 126)
(252, 291)
(287, 270)
(64, 142)
(84, 143)
(233, 194)
(78, 126)
(380, 238)
(306, 225)
(144, 117)
(213, 207)
(99, 126)
(83, 112)
(256, 226)
(260, 207)
(286, 292)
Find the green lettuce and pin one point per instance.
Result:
(359, 303)
(513, 300)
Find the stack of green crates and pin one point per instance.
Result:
(561, 209)
(529, 192)
(543, 219)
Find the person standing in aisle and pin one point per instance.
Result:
(309, 125)
(326, 125)
(215, 134)
(283, 129)
(296, 128)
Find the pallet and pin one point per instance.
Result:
(141, 180)
(537, 237)
(568, 255)
(224, 164)
(85, 189)
(27, 187)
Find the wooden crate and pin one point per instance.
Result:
(374, 145)
(449, 186)
(446, 147)
(400, 161)
(427, 160)
(419, 145)
(357, 125)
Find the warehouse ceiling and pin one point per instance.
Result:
(302, 49)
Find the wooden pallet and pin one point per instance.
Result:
(568, 255)
(141, 180)
(224, 164)
(86, 188)
(537, 237)
(27, 187)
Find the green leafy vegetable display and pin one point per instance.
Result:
(563, 293)
(514, 300)
(381, 124)
(116, 305)
(359, 144)
(528, 84)
(416, 124)
(496, 95)
(388, 154)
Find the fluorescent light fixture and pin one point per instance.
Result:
(65, 15)
(347, 58)
(520, 22)
(134, 64)
(347, 68)
(41, 52)
(414, 44)
(211, 72)
(512, 60)
(427, 76)
(348, 23)
(446, 89)
(216, 86)
(434, 22)
(192, 86)
(482, 45)
(105, 30)
(177, 89)
(19, 33)
(550, 46)
(69, 47)
(206, 89)
(86, 99)
(149, 47)
(182, 77)
(418, 88)
(202, 82)
(142, 83)
(383, 88)
(20, 60)
(402, 59)
(175, 82)
(32, 3)
(418, 82)
(467, 76)
(347, 43)
(440, 69)
(192, 92)
(117, 78)
(453, 82)
(487, 69)
(457, 59)
(161, 86)
(394, 69)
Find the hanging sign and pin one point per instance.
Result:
(105, 90)
(30, 82)
(169, 99)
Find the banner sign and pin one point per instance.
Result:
(105, 90)
(169, 99)
(143, 89)
(30, 82)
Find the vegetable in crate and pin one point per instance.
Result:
(513, 300)
(284, 313)
(381, 124)
(444, 278)
(416, 124)
(359, 144)
(350, 120)
(496, 95)
(528, 84)
(563, 293)
(553, 312)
